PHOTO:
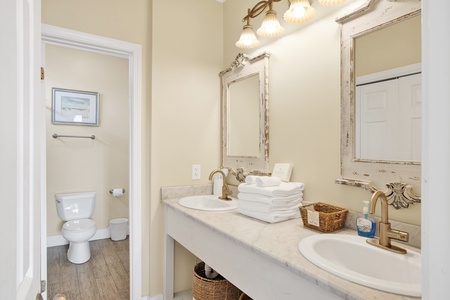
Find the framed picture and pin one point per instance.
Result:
(71, 107)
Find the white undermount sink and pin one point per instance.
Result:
(351, 258)
(207, 202)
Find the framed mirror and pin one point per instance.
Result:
(381, 99)
(245, 115)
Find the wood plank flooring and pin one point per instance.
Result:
(105, 276)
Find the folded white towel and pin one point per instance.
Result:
(251, 179)
(272, 217)
(283, 190)
(269, 199)
(267, 208)
(267, 181)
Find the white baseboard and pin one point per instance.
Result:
(157, 297)
(58, 240)
(180, 296)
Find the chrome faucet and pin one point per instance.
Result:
(386, 233)
(225, 188)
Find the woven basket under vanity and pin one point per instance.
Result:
(244, 297)
(323, 217)
(218, 288)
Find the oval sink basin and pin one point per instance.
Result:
(207, 202)
(351, 258)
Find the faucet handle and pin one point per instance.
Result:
(398, 235)
(225, 192)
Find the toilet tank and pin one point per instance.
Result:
(72, 206)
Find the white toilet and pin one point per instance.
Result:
(76, 209)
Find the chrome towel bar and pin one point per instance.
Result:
(92, 137)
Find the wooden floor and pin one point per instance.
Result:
(105, 276)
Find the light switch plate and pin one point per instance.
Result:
(282, 171)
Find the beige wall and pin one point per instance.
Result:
(76, 165)
(187, 58)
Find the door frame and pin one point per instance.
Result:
(133, 52)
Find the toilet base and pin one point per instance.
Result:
(79, 252)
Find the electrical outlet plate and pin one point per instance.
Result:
(196, 172)
(282, 171)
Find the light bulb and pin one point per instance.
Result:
(299, 11)
(271, 26)
(248, 38)
(331, 2)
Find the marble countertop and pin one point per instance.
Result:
(279, 242)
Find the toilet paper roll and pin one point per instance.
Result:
(117, 193)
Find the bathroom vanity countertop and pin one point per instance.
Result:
(279, 243)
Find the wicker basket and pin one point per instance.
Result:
(218, 288)
(244, 297)
(323, 217)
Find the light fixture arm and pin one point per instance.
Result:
(258, 9)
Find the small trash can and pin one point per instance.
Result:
(118, 228)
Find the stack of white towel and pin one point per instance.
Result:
(269, 199)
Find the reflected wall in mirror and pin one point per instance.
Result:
(375, 48)
(243, 109)
(245, 123)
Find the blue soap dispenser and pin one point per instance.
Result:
(366, 226)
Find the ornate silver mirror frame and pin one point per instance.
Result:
(402, 179)
(241, 69)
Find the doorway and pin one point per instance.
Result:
(132, 54)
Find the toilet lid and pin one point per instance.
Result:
(81, 224)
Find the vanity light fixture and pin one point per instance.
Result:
(331, 2)
(248, 38)
(299, 11)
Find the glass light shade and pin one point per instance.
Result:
(270, 26)
(310, 12)
(295, 12)
(248, 38)
(331, 2)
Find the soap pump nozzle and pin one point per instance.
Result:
(366, 209)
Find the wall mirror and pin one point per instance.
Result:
(381, 99)
(245, 111)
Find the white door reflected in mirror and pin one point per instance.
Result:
(388, 116)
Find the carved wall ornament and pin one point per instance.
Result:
(240, 173)
(399, 195)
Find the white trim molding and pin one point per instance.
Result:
(132, 52)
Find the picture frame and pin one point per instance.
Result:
(73, 107)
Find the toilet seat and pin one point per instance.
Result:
(79, 225)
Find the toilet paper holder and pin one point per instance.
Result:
(111, 191)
